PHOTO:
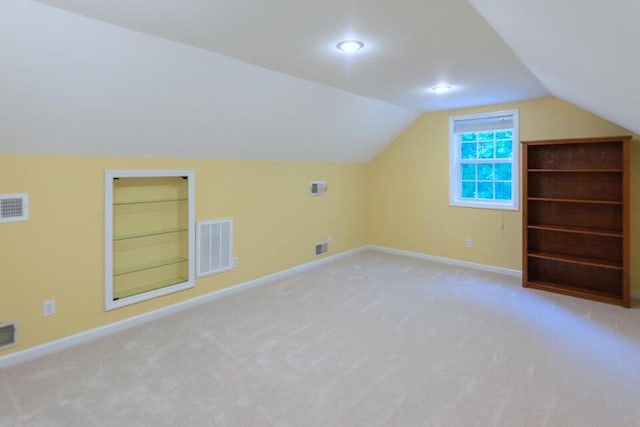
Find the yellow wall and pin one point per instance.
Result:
(59, 252)
(409, 188)
(399, 200)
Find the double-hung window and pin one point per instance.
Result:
(483, 156)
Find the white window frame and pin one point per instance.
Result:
(455, 198)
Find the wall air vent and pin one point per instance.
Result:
(318, 188)
(322, 248)
(14, 207)
(7, 335)
(215, 247)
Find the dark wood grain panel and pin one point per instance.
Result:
(600, 155)
(596, 186)
(593, 216)
(579, 276)
(578, 245)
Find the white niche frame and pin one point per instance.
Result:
(110, 303)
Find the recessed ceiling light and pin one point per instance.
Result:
(350, 46)
(441, 88)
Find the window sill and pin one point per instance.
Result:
(481, 205)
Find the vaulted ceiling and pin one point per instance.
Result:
(263, 80)
(410, 45)
(583, 51)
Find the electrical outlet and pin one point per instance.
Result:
(234, 261)
(330, 238)
(49, 307)
(469, 243)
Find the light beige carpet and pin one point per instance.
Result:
(372, 340)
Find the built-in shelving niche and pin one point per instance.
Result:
(149, 235)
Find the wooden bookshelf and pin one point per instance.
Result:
(576, 217)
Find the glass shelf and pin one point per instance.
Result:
(144, 202)
(150, 266)
(148, 287)
(153, 233)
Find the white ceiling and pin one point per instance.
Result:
(263, 80)
(74, 85)
(583, 51)
(411, 45)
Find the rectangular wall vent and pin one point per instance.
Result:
(7, 335)
(318, 188)
(322, 248)
(14, 207)
(215, 247)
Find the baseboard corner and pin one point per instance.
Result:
(450, 261)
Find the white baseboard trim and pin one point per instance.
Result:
(635, 295)
(450, 261)
(112, 328)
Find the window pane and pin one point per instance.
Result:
(485, 171)
(486, 136)
(485, 190)
(468, 150)
(468, 190)
(469, 137)
(485, 150)
(503, 171)
(468, 171)
(503, 190)
(504, 134)
(504, 149)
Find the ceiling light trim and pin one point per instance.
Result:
(441, 89)
(350, 46)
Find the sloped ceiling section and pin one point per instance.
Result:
(583, 51)
(73, 85)
(410, 45)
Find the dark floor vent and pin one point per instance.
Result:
(322, 248)
(7, 335)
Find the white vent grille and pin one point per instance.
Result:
(215, 247)
(322, 248)
(7, 335)
(318, 188)
(14, 207)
